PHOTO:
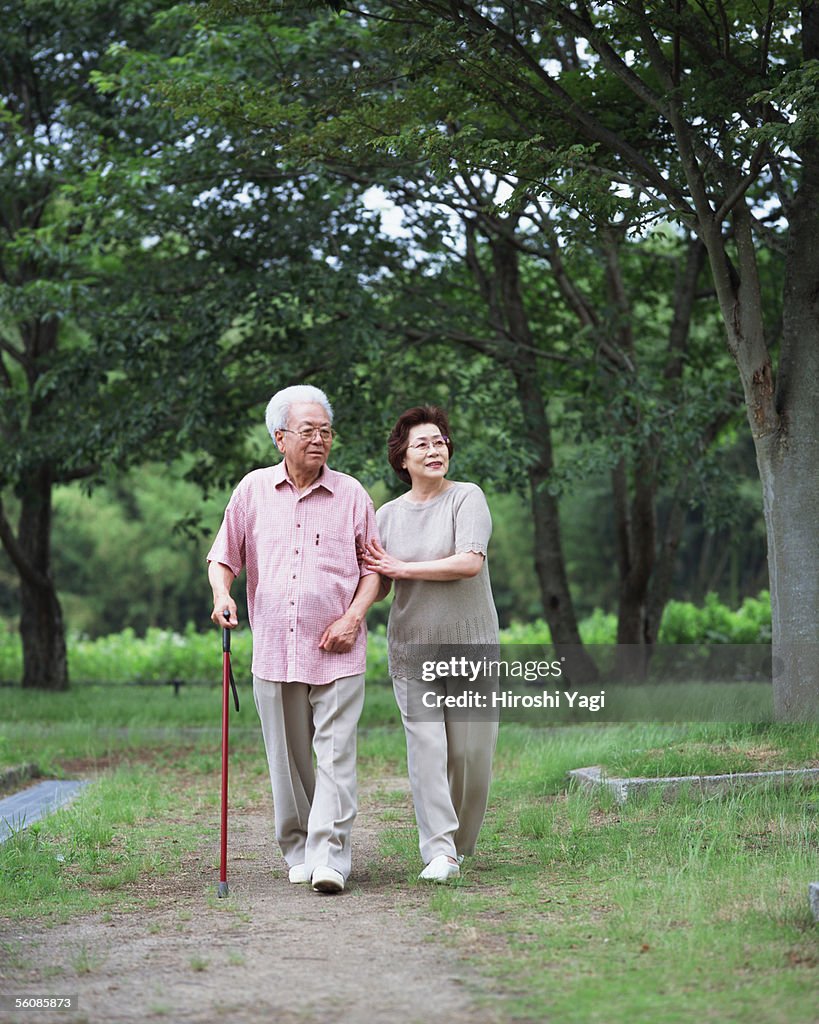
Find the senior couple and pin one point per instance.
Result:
(317, 557)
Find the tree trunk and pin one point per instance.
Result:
(550, 567)
(789, 484)
(45, 662)
(660, 590)
(636, 550)
(788, 462)
(644, 566)
(515, 348)
(506, 298)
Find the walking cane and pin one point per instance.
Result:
(227, 682)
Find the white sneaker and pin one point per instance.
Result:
(327, 880)
(440, 869)
(297, 874)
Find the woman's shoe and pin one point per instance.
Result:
(327, 880)
(440, 869)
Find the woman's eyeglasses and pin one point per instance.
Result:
(426, 443)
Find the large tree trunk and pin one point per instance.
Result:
(783, 411)
(783, 414)
(45, 662)
(788, 462)
(789, 483)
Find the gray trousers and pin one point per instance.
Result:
(314, 806)
(449, 759)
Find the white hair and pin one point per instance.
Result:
(278, 408)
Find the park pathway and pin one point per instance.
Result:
(29, 805)
(271, 952)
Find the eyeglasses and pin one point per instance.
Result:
(427, 443)
(308, 433)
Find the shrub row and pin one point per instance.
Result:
(683, 623)
(161, 655)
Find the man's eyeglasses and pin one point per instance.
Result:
(308, 433)
(427, 443)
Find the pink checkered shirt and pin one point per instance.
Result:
(303, 568)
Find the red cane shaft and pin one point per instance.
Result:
(225, 723)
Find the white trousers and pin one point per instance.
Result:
(314, 805)
(449, 759)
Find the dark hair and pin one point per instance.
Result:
(398, 441)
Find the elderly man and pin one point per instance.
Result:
(300, 529)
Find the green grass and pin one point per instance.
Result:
(123, 828)
(158, 758)
(688, 912)
(579, 910)
(99, 722)
(717, 748)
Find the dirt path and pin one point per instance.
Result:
(271, 952)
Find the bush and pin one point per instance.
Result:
(599, 628)
(11, 655)
(714, 623)
(377, 666)
(527, 633)
(163, 655)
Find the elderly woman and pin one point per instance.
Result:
(434, 549)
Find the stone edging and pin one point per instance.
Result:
(594, 777)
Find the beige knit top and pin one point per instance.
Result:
(436, 612)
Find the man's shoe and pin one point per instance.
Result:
(440, 869)
(327, 880)
(298, 873)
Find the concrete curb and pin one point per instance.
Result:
(671, 786)
(813, 896)
(10, 778)
(22, 809)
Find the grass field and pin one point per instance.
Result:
(579, 909)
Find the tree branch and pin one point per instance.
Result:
(15, 354)
(685, 295)
(79, 473)
(16, 554)
(728, 204)
(567, 108)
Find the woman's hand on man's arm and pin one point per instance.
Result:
(463, 565)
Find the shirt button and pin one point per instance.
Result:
(297, 550)
(294, 577)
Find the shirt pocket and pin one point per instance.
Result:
(334, 554)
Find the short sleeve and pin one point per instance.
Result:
(229, 545)
(366, 529)
(473, 522)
